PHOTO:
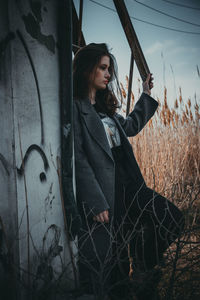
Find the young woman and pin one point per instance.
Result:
(117, 209)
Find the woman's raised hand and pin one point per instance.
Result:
(102, 217)
(148, 84)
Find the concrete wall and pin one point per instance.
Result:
(31, 224)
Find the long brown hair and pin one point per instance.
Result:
(85, 62)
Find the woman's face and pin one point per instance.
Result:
(100, 77)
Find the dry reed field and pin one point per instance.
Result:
(168, 153)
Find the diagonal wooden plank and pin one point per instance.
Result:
(132, 38)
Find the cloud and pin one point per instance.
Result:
(181, 64)
(154, 48)
(181, 49)
(177, 50)
(158, 47)
(194, 50)
(170, 48)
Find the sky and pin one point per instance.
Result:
(172, 56)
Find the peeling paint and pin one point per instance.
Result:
(36, 9)
(3, 45)
(33, 28)
(4, 42)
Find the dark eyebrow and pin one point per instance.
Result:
(105, 65)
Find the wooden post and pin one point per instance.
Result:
(132, 38)
(80, 22)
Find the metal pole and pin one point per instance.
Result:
(130, 80)
(80, 22)
(77, 34)
(66, 97)
(71, 217)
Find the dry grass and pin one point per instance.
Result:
(168, 153)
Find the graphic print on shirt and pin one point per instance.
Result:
(111, 132)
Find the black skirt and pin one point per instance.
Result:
(148, 222)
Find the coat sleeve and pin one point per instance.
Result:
(141, 114)
(88, 190)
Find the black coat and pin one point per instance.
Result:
(94, 164)
(95, 186)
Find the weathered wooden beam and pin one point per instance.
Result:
(132, 38)
(66, 97)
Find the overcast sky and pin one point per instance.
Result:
(172, 56)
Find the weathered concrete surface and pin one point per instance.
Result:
(30, 204)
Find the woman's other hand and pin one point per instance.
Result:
(102, 217)
(148, 84)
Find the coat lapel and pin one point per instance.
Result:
(95, 126)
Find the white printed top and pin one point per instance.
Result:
(111, 130)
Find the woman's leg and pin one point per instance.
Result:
(120, 283)
(94, 258)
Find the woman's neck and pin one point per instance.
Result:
(92, 95)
